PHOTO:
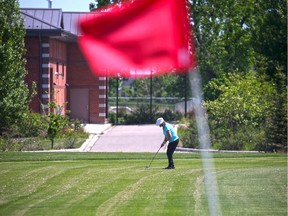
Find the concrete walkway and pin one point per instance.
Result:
(130, 138)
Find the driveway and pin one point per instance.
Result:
(130, 138)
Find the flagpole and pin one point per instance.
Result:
(205, 143)
(117, 98)
(151, 87)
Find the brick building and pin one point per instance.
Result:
(56, 64)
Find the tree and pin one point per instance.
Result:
(244, 100)
(56, 122)
(237, 36)
(14, 93)
(270, 35)
(270, 44)
(101, 3)
(241, 110)
(169, 85)
(222, 31)
(276, 123)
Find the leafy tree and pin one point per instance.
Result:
(222, 31)
(101, 3)
(276, 123)
(270, 35)
(238, 116)
(237, 36)
(56, 122)
(14, 93)
(170, 85)
(244, 100)
(270, 44)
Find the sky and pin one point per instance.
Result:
(65, 5)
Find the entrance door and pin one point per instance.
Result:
(79, 104)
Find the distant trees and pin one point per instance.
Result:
(101, 3)
(233, 38)
(222, 31)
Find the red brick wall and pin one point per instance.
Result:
(80, 76)
(33, 68)
(66, 59)
(58, 63)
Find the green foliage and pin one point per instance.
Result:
(233, 36)
(14, 93)
(32, 125)
(222, 31)
(188, 134)
(276, 121)
(170, 116)
(142, 115)
(239, 35)
(246, 138)
(56, 122)
(238, 116)
(270, 32)
(170, 85)
(243, 100)
(101, 3)
(112, 118)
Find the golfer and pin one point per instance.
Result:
(171, 136)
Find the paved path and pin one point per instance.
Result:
(130, 138)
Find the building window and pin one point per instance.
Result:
(63, 70)
(57, 70)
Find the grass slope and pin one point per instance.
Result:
(118, 184)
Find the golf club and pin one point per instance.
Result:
(147, 167)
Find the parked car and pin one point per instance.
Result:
(120, 109)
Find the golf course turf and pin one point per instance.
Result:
(118, 184)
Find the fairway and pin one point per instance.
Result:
(118, 184)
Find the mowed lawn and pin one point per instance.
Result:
(118, 184)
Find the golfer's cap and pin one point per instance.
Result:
(159, 121)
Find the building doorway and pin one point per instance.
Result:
(79, 104)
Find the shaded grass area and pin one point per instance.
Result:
(119, 184)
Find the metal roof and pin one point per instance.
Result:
(42, 18)
(70, 20)
(52, 20)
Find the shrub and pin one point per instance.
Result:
(142, 115)
(31, 125)
(245, 138)
(188, 133)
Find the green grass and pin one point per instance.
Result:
(118, 184)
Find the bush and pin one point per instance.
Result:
(31, 125)
(142, 115)
(245, 138)
(188, 134)
(171, 116)
(30, 134)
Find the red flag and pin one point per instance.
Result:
(137, 38)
